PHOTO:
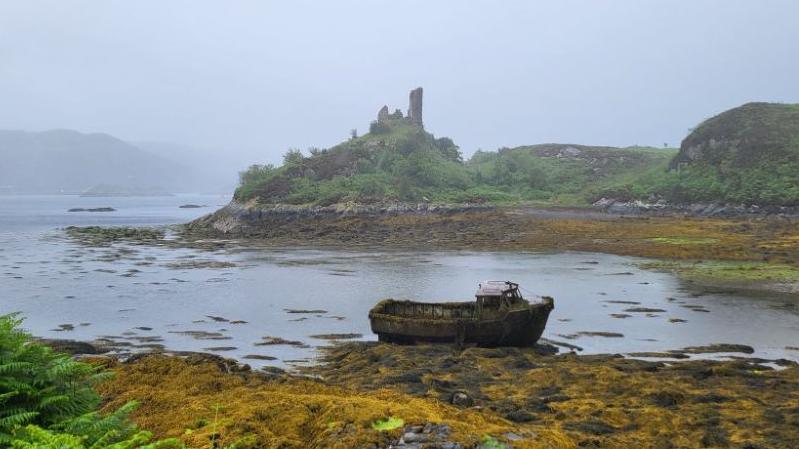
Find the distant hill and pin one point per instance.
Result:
(746, 155)
(208, 170)
(65, 161)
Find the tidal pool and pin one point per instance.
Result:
(226, 302)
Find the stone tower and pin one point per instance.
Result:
(415, 107)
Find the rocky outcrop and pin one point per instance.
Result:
(246, 219)
(74, 347)
(743, 137)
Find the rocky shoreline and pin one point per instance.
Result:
(248, 219)
(661, 208)
(438, 396)
(752, 252)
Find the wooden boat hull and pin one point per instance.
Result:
(410, 322)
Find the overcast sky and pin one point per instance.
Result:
(256, 77)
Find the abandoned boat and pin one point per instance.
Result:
(498, 317)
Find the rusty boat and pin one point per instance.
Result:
(499, 316)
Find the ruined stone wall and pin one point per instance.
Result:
(382, 114)
(415, 107)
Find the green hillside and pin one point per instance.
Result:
(748, 155)
(395, 160)
(398, 160)
(564, 174)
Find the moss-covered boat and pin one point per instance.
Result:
(498, 317)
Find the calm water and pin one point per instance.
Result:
(118, 290)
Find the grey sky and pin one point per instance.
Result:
(257, 77)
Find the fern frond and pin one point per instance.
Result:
(17, 419)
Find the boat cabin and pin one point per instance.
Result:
(497, 295)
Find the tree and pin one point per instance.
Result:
(293, 158)
(448, 148)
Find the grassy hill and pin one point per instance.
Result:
(747, 155)
(564, 174)
(397, 160)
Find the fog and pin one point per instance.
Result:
(252, 78)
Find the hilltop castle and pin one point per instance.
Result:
(414, 110)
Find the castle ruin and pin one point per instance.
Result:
(414, 110)
(415, 107)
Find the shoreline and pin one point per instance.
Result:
(758, 253)
(524, 397)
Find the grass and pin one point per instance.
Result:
(729, 271)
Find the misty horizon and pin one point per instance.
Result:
(255, 79)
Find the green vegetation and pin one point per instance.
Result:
(390, 423)
(490, 442)
(747, 155)
(47, 400)
(397, 160)
(564, 174)
(729, 271)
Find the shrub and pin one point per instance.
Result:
(47, 400)
(379, 128)
(38, 386)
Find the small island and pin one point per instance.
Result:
(92, 209)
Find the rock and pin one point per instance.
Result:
(270, 341)
(510, 436)
(94, 209)
(259, 357)
(643, 310)
(461, 399)
(720, 347)
(410, 437)
(337, 336)
(73, 347)
(428, 436)
(312, 311)
(220, 348)
(202, 335)
(224, 364)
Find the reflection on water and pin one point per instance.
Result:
(186, 300)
